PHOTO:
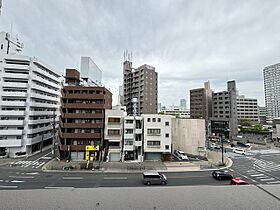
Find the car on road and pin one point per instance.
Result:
(181, 155)
(239, 151)
(221, 174)
(238, 181)
(154, 177)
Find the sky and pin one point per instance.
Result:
(188, 42)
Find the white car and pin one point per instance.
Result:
(239, 151)
(181, 155)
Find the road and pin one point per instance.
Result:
(258, 168)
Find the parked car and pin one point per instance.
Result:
(221, 174)
(153, 177)
(239, 151)
(181, 155)
(20, 153)
(238, 181)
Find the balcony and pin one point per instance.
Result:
(37, 130)
(11, 122)
(82, 106)
(11, 143)
(40, 96)
(44, 105)
(42, 113)
(45, 89)
(128, 147)
(82, 125)
(82, 116)
(14, 75)
(138, 143)
(15, 94)
(13, 103)
(81, 135)
(36, 69)
(114, 148)
(138, 131)
(36, 139)
(129, 126)
(128, 136)
(11, 113)
(11, 132)
(42, 121)
(45, 81)
(83, 96)
(15, 84)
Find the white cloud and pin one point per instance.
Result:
(188, 42)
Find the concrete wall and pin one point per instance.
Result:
(188, 135)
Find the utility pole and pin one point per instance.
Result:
(42, 140)
(222, 150)
(53, 138)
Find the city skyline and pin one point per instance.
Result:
(203, 41)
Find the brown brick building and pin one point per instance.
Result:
(82, 118)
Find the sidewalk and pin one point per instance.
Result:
(130, 167)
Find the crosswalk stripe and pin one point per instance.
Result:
(256, 175)
(269, 179)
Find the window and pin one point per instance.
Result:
(166, 123)
(167, 135)
(113, 132)
(153, 131)
(114, 120)
(149, 120)
(167, 147)
(128, 131)
(2, 46)
(154, 119)
(153, 143)
(158, 119)
(129, 121)
(128, 142)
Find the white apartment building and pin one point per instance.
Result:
(178, 111)
(272, 91)
(157, 136)
(247, 108)
(113, 132)
(29, 94)
(133, 138)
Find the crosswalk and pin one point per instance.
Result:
(28, 164)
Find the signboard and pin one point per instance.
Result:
(92, 148)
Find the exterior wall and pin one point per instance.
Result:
(140, 83)
(90, 70)
(114, 119)
(29, 91)
(272, 91)
(225, 107)
(164, 124)
(247, 108)
(188, 135)
(82, 117)
(262, 114)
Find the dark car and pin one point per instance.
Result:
(221, 174)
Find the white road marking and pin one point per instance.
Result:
(69, 177)
(1, 180)
(119, 178)
(8, 186)
(32, 173)
(275, 182)
(17, 181)
(59, 187)
(269, 179)
(256, 175)
(22, 177)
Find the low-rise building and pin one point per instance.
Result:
(157, 136)
(113, 133)
(178, 111)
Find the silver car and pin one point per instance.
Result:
(153, 177)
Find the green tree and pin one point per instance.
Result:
(246, 122)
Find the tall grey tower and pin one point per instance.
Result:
(140, 83)
(272, 91)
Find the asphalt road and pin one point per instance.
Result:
(256, 169)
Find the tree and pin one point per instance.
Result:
(246, 122)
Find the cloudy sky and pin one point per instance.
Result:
(188, 42)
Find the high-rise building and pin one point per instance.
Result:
(29, 100)
(272, 90)
(90, 72)
(262, 114)
(247, 108)
(140, 83)
(224, 116)
(201, 102)
(183, 103)
(82, 118)
(9, 44)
